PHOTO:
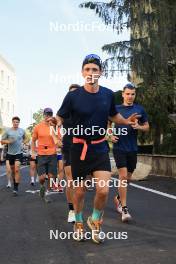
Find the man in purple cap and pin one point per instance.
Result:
(46, 150)
(90, 107)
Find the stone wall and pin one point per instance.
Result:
(158, 165)
(161, 165)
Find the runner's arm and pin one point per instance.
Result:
(143, 127)
(60, 120)
(4, 139)
(118, 119)
(65, 110)
(33, 143)
(109, 134)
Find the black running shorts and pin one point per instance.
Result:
(13, 158)
(47, 164)
(66, 157)
(125, 160)
(93, 162)
(35, 160)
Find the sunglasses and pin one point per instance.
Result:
(48, 114)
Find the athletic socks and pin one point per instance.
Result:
(32, 179)
(79, 217)
(70, 206)
(14, 184)
(96, 215)
(9, 183)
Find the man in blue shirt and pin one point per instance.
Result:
(90, 107)
(125, 146)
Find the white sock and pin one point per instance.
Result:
(37, 178)
(9, 183)
(32, 179)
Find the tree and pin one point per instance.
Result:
(118, 97)
(148, 57)
(37, 116)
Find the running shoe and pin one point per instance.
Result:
(54, 188)
(95, 226)
(125, 214)
(78, 232)
(15, 193)
(71, 217)
(42, 191)
(118, 205)
(58, 188)
(47, 197)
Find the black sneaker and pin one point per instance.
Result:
(15, 193)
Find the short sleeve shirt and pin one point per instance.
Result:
(128, 142)
(89, 113)
(45, 142)
(17, 136)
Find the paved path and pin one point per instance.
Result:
(26, 221)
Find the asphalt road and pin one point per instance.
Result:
(26, 221)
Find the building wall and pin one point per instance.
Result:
(7, 92)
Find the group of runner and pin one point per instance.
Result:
(88, 110)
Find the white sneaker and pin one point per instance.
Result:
(47, 197)
(125, 215)
(15, 193)
(118, 205)
(71, 216)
